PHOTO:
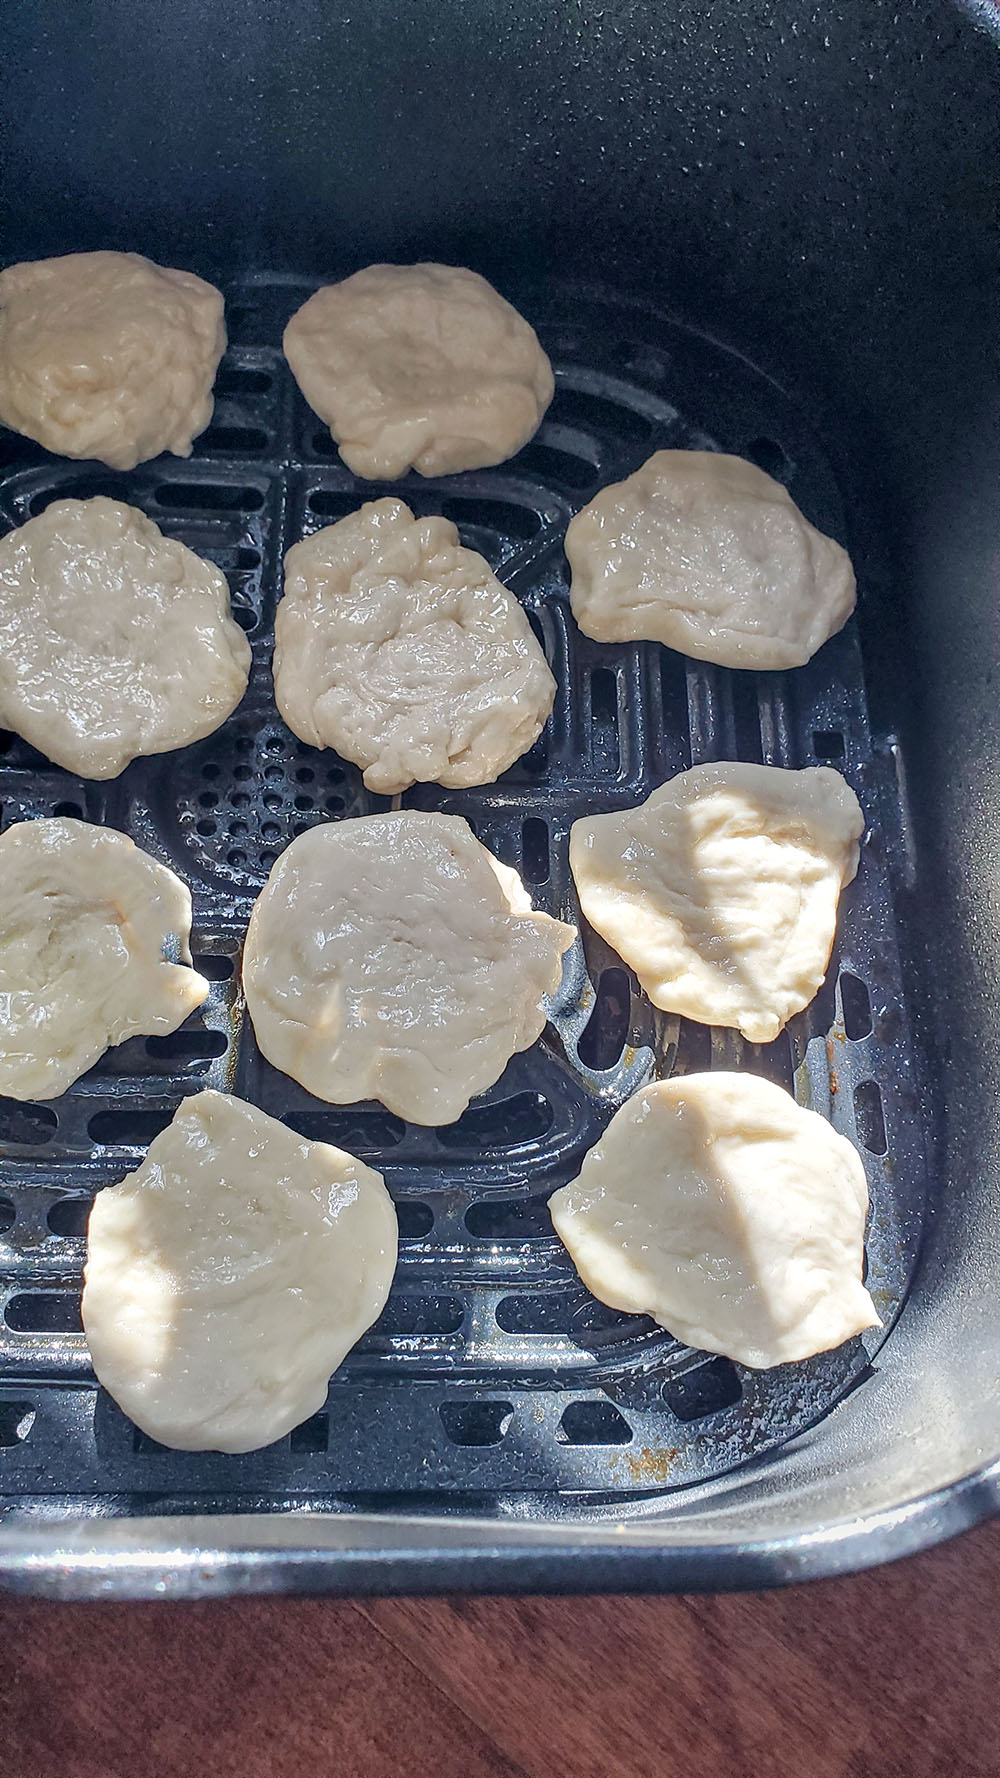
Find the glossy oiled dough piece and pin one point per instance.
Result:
(107, 355)
(733, 1217)
(231, 1274)
(115, 641)
(401, 650)
(421, 366)
(721, 889)
(711, 556)
(394, 958)
(93, 949)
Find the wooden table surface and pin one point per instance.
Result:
(892, 1674)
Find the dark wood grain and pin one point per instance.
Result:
(892, 1674)
(299, 1689)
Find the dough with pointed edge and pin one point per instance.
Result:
(394, 958)
(93, 949)
(403, 652)
(115, 641)
(732, 1216)
(107, 355)
(419, 366)
(231, 1274)
(721, 889)
(711, 556)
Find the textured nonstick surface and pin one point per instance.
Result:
(492, 1378)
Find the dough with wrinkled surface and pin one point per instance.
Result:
(107, 355)
(393, 958)
(711, 556)
(93, 949)
(729, 1214)
(419, 366)
(721, 889)
(115, 640)
(231, 1274)
(403, 652)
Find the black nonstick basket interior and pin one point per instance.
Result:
(493, 1382)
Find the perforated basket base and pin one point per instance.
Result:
(492, 1377)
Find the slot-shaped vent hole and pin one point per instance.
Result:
(209, 497)
(188, 1046)
(16, 1420)
(127, 1126)
(857, 1007)
(239, 560)
(593, 1423)
(869, 1117)
(81, 487)
(548, 464)
(415, 1220)
(746, 717)
(68, 1216)
(8, 1215)
(706, 1390)
(553, 1313)
(603, 1038)
(215, 968)
(509, 1219)
(603, 419)
(508, 1123)
(359, 1131)
(769, 456)
(535, 849)
(323, 443)
(238, 379)
(605, 750)
(505, 518)
(405, 1314)
(694, 1048)
(312, 1437)
(476, 1422)
(20, 453)
(72, 811)
(236, 441)
(331, 504)
(43, 1312)
(26, 1124)
(828, 744)
(773, 1061)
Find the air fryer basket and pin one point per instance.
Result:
(498, 1427)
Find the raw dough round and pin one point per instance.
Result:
(402, 651)
(711, 556)
(231, 1274)
(87, 925)
(394, 958)
(107, 355)
(729, 1214)
(115, 641)
(721, 889)
(421, 366)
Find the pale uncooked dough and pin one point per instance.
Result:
(733, 1217)
(421, 366)
(107, 355)
(115, 641)
(394, 958)
(721, 889)
(231, 1274)
(93, 949)
(711, 556)
(403, 652)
